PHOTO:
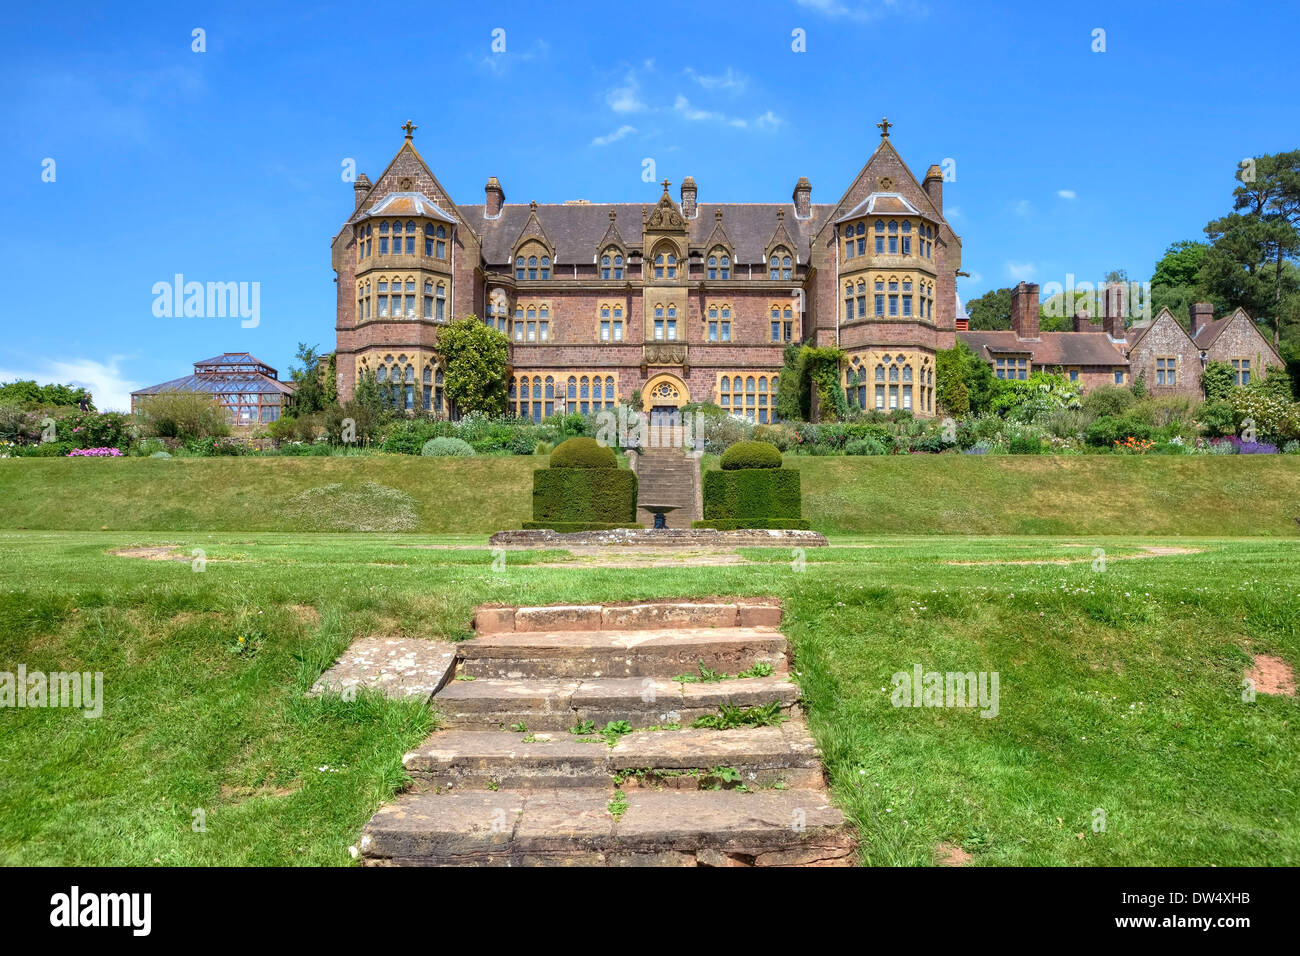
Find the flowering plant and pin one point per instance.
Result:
(1138, 446)
(95, 453)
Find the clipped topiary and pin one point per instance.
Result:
(584, 453)
(446, 448)
(751, 454)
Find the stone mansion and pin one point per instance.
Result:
(688, 301)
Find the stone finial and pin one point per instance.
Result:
(410, 129)
(884, 125)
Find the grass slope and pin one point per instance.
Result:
(1120, 689)
(907, 494)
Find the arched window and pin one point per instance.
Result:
(907, 237)
(782, 317)
(718, 322)
(611, 322)
(665, 265)
(752, 396)
(441, 250)
(441, 312)
(893, 237)
(611, 263)
(532, 267)
(719, 264)
(546, 267)
(428, 298)
(519, 267)
(880, 236)
(780, 265)
(428, 239)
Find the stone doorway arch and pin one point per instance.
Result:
(663, 397)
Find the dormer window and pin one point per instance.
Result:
(780, 266)
(611, 264)
(719, 266)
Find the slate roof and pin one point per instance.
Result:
(576, 229)
(1207, 333)
(885, 204)
(1050, 348)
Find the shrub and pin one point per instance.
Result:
(1217, 418)
(782, 436)
(1109, 429)
(594, 497)
(49, 449)
(446, 448)
(752, 497)
(1108, 400)
(161, 454)
(751, 454)
(184, 415)
(1067, 422)
(1025, 443)
(583, 453)
(864, 446)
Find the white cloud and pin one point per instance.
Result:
(613, 137)
(1020, 271)
(862, 10)
(682, 106)
(110, 390)
(730, 80)
(1023, 207)
(625, 98)
(1067, 194)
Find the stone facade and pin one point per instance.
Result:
(691, 301)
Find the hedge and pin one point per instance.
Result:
(583, 453)
(752, 496)
(751, 454)
(592, 496)
(772, 523)
(568, 527)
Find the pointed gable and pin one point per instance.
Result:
(407, 173)
(612, 236)
(533, 229)
(780, 235)
(1165, 319)
(719, 237)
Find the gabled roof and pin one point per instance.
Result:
(1050, 348)
(612, 236)
(1135, 333)
(233, 358)
(533, 229)
(780, 235)
(718, 237)
(407, 204)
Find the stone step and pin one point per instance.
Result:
(643, 652)
(680, 759)
(556, 704)
(575, 826)
(632, 616)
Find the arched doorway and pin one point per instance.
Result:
(662, 399)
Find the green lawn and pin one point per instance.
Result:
(1119, 689)
(906, 494)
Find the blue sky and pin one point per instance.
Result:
(226, 165)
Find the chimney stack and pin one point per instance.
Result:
(802, 198)
(1199, 313)
(933, 187)
(1115, 304)
(1024, 310)
(361, 189)
(1082, 322)
(494, 197)
(688, 197)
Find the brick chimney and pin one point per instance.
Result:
(688, 197)
(361, 189)
(933, 187)
(1199, 313)
(1114, 305)
(802, 198)
(1082, 322)
(494, 197)
(1024, 310)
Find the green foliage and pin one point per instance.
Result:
(583, 453)
(751, 454)
(865, 446)
(475, 357)
(964, 382)
(183, 415)
(809, 371)
(446, 447)
(1037, 396)
(587, 496)
(992, 310)
(1217, 418)
(25, 393)
(1108, 429)
(92, 430)
(780, 435)
(730, 716)
(315, 377)
(1108, 400)
(752, 497)
(1218, 380)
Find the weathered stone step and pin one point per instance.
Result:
(647, 652)
(575, 826)
(680, 759)
(550, 704)
(648, 614)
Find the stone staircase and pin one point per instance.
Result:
(520, 772)
(668, 476)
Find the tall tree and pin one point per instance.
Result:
(1251, 262)
(476, 360)
(992, 310)
(1175, 283)
(315, 380)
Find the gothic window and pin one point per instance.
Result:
(719, 266)
(782, 322)
(907, 237)
(665, 265)
(893, 237)
(440, 314)
(665, 323)
(611, 322)
(519, 267)
(779, 264)
(880, 236)
(611, 264)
